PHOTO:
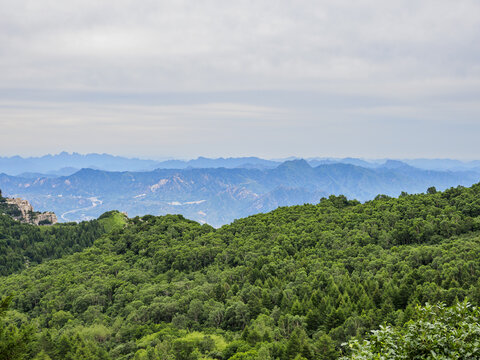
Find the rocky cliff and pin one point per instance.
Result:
(22, 210)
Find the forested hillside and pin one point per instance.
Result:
(24, 245)
(293, 283)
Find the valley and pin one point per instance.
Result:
(218, 196)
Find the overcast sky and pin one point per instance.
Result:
(366, 78)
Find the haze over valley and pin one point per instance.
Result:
(214, 191)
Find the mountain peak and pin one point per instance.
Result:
(295, 164)
(394, 164)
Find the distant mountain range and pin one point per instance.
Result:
(218, 195)
(65, 164)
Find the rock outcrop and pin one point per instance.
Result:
(27, 215)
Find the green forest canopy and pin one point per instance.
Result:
(293, 283)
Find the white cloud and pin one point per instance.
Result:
(350, 60)
(185, 45)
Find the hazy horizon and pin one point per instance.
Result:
(286, 158)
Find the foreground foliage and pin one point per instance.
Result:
(296, 282)
(437, 332)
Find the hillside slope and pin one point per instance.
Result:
(24, 245)
(296, 281)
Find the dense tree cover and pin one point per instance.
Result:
(293, 283)
(437, 332)
(24, 245)
(14, 341)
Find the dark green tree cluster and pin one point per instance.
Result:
(15, 341)
(295, 283)
(24, 245)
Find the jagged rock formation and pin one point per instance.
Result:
(22, 211)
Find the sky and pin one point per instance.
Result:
(157, 79)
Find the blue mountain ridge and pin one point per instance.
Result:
(219, 195)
